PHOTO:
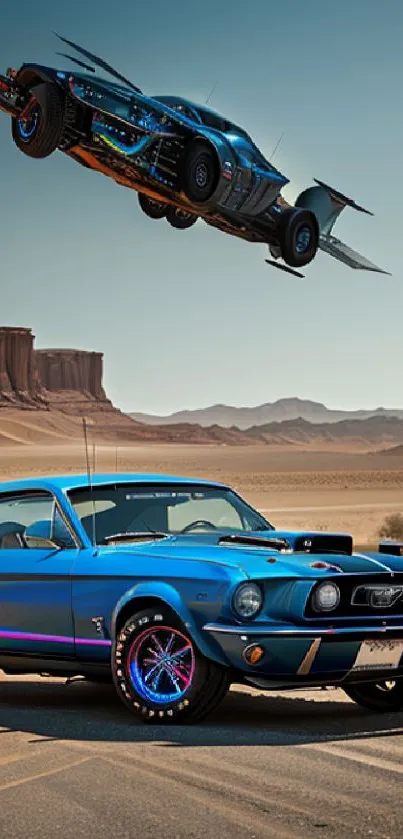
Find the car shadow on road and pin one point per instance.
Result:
(83, 711)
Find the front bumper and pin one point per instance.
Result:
(314, 656)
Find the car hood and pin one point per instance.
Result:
(262, 560)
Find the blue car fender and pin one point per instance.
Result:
(169, 596)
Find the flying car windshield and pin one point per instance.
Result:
(135, 509)
(213, 120)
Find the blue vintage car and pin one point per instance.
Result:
(184, 160)
(176, 588)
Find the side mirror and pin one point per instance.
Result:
(47, 534)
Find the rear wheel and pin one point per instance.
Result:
(378, 696)
(298, 236)
(38, 130)
(159, 673)
(200, 172)
(180, 219)
(152, 209)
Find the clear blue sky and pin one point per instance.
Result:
(187, 319)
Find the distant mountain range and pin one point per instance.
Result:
(284, 410)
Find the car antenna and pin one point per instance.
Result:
(277, 145)
(211, 92)
(90, 485)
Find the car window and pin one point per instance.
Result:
(121, 508)
(214, 510)
(213, 120)
(182, 109)
(19, 513)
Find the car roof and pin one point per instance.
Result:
(168, 99)
(65, 483)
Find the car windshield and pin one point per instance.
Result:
(125, 508)
(213, 120)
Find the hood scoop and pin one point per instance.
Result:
(276, 543)
(307, 542)
(321, 543)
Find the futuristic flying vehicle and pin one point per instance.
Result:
(174, 588)
(184, 160)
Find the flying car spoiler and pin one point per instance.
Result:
(335, 247)
(327, 212)
(339, 250)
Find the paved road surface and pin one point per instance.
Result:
(73, 764)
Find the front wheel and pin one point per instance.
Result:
(378, 696)
(298, 236)
(180, 219)
(38, 130)
(200, 172)
(159, 673)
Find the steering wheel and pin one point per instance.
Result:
(198, 523)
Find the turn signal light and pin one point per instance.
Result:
(253, 654)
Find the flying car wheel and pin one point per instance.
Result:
(38, 130)
(384, 696)
(200, 172)
(180, 219)
(298, 235)
(159, 673)
(152, 209)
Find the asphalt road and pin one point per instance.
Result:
(74, 764)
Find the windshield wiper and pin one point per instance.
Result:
(146, 536)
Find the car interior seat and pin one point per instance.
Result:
(12, 535)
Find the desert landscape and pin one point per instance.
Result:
(295, 489)
(326, 475)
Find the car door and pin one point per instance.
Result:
(35, 577)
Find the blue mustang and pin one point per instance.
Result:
(184, 160)
(176, 587)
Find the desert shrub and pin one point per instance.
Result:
(392, 527)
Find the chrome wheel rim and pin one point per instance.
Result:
(303, 239)
(27, 127)
(161, 665)
(201, 175)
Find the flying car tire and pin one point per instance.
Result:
(203, 683)
(40, 135)
(298, 235)
(152, 209)
(200, 172)
(383, 697)
(180, 219)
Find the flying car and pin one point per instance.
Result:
(184, 160)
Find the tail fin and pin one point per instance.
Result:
(327, 204)
(77, 61)
(339, 250)
(99, 62)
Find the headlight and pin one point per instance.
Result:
(248, 600)
(326, 597)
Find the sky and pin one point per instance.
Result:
(187, 319)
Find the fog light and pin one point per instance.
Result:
(253, 654)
